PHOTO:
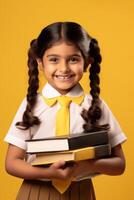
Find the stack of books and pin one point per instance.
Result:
(75, 147)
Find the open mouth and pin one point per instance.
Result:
(64, 77)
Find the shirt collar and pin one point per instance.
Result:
(50, 92)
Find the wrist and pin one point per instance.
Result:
(42, 173)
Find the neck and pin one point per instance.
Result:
(64, 92)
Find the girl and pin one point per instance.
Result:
(63, 51)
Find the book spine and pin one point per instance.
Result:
(102, 151)
(93, 152)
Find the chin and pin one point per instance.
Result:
(64, 90)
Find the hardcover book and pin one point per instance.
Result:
(73, 155)
(68, 142)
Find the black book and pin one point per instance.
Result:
(68, 142)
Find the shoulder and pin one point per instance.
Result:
(40, 105)
(106, 110)
(103, 105)
(116, 134)
(87, 101)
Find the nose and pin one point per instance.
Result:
(64, 66)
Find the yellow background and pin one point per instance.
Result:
(111, 22)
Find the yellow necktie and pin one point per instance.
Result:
(62, 116)
(62, 128)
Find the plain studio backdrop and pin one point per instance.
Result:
(111, 22)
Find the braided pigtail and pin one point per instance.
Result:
(28, 118)
(93, 114)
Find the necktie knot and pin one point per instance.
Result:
(64, 101)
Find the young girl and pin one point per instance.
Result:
(63, 51)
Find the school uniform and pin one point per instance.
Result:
(81, 189)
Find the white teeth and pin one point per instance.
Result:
(63, 77)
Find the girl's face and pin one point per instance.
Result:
(63, 66)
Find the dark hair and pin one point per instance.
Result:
(73, 33)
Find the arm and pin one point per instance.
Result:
(16, 166)
(115, 165)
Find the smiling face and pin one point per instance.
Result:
(63, 66)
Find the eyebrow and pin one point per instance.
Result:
(77, 55)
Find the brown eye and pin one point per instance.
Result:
(73, 60)
(53, 60)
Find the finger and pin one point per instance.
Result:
(66, 173)
(59, 164)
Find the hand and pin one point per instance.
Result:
(59, 170)
(83, 168)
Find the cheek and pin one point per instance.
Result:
(80, 73)
(48, 70)
(79, 70)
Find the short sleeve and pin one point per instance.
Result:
(116, 135)
(15, 135)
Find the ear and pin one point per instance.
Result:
(40, 64)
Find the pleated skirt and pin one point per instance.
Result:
(42, 190)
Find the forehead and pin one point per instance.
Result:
(62, 48)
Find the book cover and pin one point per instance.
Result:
(73, 155)
(65, 143)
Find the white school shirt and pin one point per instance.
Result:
(47, 116)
